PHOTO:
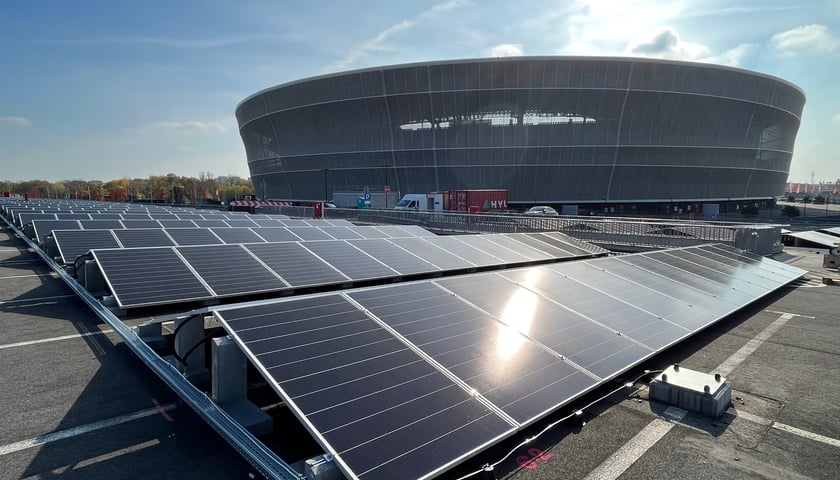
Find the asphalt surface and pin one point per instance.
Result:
(76, 403)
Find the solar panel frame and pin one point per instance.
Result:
(230, 270)
(41, 228)
(159, 275)
(237, 235)
(368, 424)
(72, 244)
(399, 259)
(276, 234)
(297, 266)
(194, 236)
(143, 237)
(349, 260)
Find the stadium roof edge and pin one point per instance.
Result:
(523, 58)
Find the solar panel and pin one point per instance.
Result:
(297, 265)
(501, 252)
(101, 224)
(193, 236)
(241, 222)
(268, 222)
(463, 247)
(523, 341)
(541, 245)
(276, 234)
(176, 223)
(399, 416)
(143, 237)
(310, 233)
(42, 228)
(403, 261)
(489, 356)
(212, 223)
(350, 260)
(295, 222)
(435, 255)
(341, 233)
(231, 270)
(237, 235)
(140, 223)
(149, 276)
(73, 243)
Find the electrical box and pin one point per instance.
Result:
(703, 393)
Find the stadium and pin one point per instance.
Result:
(629, 133)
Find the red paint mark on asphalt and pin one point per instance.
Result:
(534, 457)
(162, 411)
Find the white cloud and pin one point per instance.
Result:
(732, 57)
(380, 41)
(836, 118)
(507, 50)
(191, 126)
(175, 42)
(812, 37)
(666, 43)
(15, 121)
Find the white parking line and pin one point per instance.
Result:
(55, 339)
(733, 361)
(51, 274)
(36, 299)
(633, 450)
(806, 434)
(81, 430)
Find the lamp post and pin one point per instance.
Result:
(325, 184)
(385, 188)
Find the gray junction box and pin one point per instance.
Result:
(698, 392)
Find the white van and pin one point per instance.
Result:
(412, 201)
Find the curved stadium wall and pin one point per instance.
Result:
(549, 129)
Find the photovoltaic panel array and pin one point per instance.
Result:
(157, 237)
(384, 376)
(235, 271)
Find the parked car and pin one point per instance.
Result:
(541, 210)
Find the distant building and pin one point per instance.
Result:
(551, 130)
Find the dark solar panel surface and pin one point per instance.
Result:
(140, 223)
(42, 228)
(231, 270)
(72, 243)
(276, 234)
(342, 233)
(237, 235)
(399, 416)
(101, 224)
(518, 376)
(241, 222)
(349, 260)
(432, 254)
(296, 265)
(143, 237)
(402, 261)
(526, 340)
(149, 276)
(193, 236)
(176, 223)
(212, 223)
(310, 233)
(483, 243)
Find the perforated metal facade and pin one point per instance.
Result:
(548, 129)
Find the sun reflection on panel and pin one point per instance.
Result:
(517, 318)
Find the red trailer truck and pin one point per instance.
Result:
(486, 200)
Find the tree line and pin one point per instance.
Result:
(169, 188)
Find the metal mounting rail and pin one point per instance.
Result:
(252, 449)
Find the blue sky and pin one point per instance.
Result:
(113, 89)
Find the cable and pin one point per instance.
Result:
(210, 335)
(556, 422)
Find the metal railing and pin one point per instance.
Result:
(636, 233)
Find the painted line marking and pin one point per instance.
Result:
(633, 450)
(55, 339)
(788, 313)
(80, 430)
(51, 274)
(624, 457)
(784, 427)
(809, 435)
(36, 299)
(738, 357)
